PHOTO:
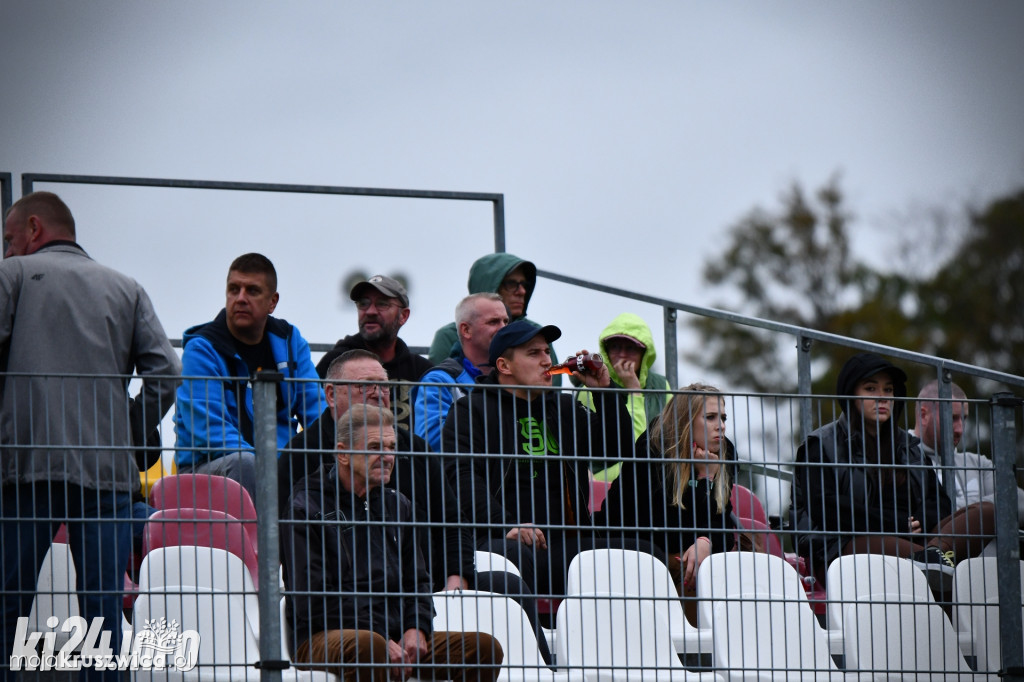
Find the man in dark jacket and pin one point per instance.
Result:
(523, 452)
(357, 377)
(358, 589)
(383, 307)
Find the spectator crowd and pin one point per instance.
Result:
(396, 470)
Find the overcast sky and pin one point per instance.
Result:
(626, 137)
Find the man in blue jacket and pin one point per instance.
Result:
(213, 421)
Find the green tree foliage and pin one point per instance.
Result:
(796, 265)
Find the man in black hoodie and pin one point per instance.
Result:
(383, 307)
(523, 449)
(358, 589)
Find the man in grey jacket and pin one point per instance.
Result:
(71, 332)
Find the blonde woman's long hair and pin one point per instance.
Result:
(671, 433)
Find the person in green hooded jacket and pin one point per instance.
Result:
(627, 346)
(510, 277)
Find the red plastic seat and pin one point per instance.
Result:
(746, 505)
(202, 528)
(598, 493)
(202, 491)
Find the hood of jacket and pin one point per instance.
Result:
(860, 367)
(487, 273)
(633, 326)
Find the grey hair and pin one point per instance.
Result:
(357, 418)
(465, 311)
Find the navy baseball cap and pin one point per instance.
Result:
(518, 333)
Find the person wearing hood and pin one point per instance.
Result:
(213, 420)
(627, 346)
(512, 278)
(862, 485)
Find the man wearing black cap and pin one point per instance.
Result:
(383, 306)
(528, 498)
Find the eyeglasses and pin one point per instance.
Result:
(362, 388)
(382, 304)
(511, 285)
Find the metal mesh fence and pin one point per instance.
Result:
(540, 534)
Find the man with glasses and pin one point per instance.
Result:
(510, 277)
(213, 420)
(357, 377)
(383, 307)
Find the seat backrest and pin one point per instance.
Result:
(598, 493)
(851, 577)
(747, 505)
(227, 645)
(204, 528)
(621, 571)
(496, 615)
(725, 575)
(772, 543)
(203, 491)
(615, 637)
(489, 561)
(56, 591)
(755, 634)
(976, 608)
(888, 634)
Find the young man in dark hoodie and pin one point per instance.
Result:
(383, 307)
(881, 499)
(213, 420)
(523, 451)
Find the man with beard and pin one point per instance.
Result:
(383, 306)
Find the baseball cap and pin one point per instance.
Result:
(518, 333)
(626, 337)
(388, 286)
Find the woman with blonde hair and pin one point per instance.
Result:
(675, 492)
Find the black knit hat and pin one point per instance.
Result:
(864, 365)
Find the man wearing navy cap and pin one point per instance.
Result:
(530, 503)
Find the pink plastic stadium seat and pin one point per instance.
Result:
(202, 528)
(202, 491)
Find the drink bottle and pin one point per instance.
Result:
(587, 362)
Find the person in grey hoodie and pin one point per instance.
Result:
(71, 330)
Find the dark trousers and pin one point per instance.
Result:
(457, 656)
(100, 545)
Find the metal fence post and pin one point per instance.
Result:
(945, 441)
(264, 398)
(803, 383)
(671, 348)
(1004, 407)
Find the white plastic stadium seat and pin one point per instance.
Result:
(619, 571)
(763, 638)
(726, 575)
(504, 619)
(617, 638)
(907, 640)
(56, 592)
(976, 608)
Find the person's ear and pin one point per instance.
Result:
(502, 365)
(403, 317)
(342, 456)
(273, 301)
